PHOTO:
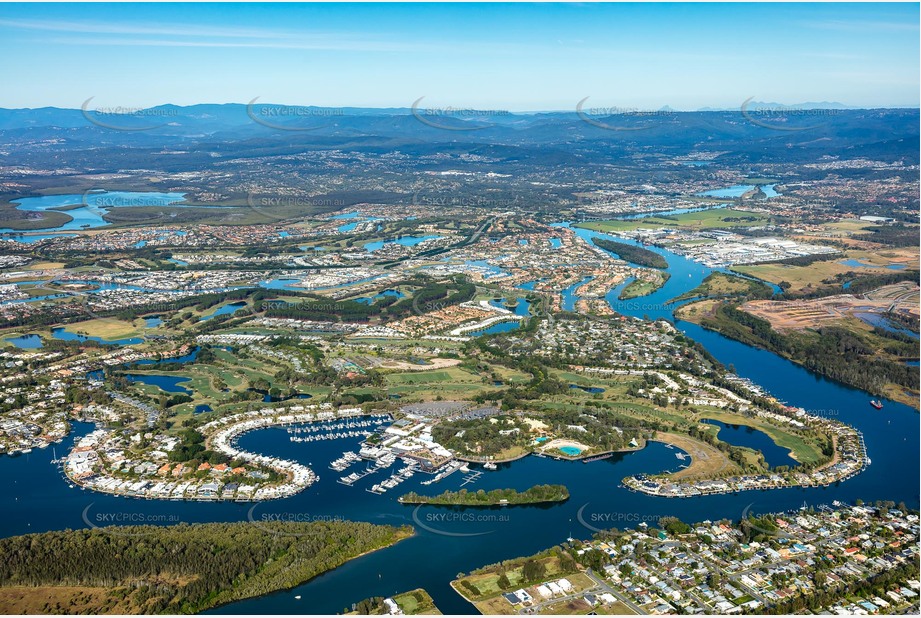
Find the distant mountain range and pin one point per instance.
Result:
(188, 137)
(211, 116)
(795, 106)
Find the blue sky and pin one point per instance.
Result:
(505, 56)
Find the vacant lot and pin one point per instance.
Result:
(800, 314)
(434, 363)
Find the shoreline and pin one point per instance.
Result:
(908, 400)
(485, 505)
(538, 453)
(298, 477)
(310, 579)
(822, 476)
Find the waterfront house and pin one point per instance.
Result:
(392, 608)
(209, 490)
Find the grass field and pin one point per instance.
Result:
(487, 582)
(452, 382)
(61, 600)
(804, 278)
(696, 311)
(801, 450)
(44, 266)
(511, 376)
(428, 377)
(493, 603)
(884, 257)
(637, 288)
(701, 219)
(847, 227)
(107, 328)
(800, 278)
(719, 284)
(411, 604)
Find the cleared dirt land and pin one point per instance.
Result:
(800, 314)
(433, 363)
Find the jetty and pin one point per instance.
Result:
(472, 478)
(607, 455)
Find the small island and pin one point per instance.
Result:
(631, 253)
(497, 497)
(649, 282)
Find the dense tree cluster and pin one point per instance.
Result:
(822, 597)
(532, 495)
(836, 352)
(632, 253)
(187, 568)
(479, 437)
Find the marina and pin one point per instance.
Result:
(372, 421)
(403, 474)
(348, 458)
(336, 435)
(450, 469)
(352, 478)
(471, 478)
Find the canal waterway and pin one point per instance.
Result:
(34, 496)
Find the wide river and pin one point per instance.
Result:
(34, 497)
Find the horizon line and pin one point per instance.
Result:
(575, 110)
